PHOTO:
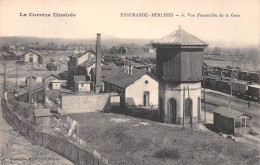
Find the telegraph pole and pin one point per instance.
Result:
(204, 95)
(183, 108)
(16, 75)
(190, 108)
(30, 84)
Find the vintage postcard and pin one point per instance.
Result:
(134, 82)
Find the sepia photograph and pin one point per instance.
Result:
(130, 82)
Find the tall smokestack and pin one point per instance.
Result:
(98, 83)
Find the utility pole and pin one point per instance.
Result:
(16, 84)
(204, 95)
(30, 84)
(190, 108)
(183, 108)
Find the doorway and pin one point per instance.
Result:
(172, 110)
(146, 98)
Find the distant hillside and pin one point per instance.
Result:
(107, 40)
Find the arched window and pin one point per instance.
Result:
(188, 107)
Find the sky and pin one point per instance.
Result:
(103, 16)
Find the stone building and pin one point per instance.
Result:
(179, 58)
(136, 87)
(31, 55)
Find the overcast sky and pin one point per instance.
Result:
(103, 16)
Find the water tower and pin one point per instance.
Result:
(179, 58)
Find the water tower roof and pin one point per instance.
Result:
(181, 38)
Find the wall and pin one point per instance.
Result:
(48, 80)
(85, 88)
(65, 147)
(134, 93)
(27, 57)
(85, 103)
(175, 91)
(56, 85)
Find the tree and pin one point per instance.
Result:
(52, 60)
(40, 60)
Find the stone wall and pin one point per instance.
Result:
(61, 145)
(85, 103)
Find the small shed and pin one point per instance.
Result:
(42, 117)
(83, 86)
(55, 84)
(231, 121)
(52, 67)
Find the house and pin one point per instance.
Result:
(79, 58)
(37, 93)
(31, 55)
(51, 66)
(34, 80)
(83, 86)
(77, 78)
(47, 79)
(231, 121)
(42, 117)
(122, 50)
(56, 84)
(136, 87)
(105, 71)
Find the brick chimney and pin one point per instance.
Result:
(98, 83)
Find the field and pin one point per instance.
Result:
(128, 140)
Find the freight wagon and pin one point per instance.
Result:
(254, 91)
(239, 88)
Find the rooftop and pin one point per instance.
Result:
(34, 88)
(120, 78)
(229, 112)
(81, 54)
(42, 112)
(180, 37)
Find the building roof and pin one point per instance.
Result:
(180, 37)
(32, 51)
(81, 54)
(42, 112)
(120, 78)
(79, 78)
(229, 112)
(83, 82)
(5, 54)
(58, 81)
(88, 63)
(49, 75)
(105, 70)
(34, 88)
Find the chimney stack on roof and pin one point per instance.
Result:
(98, 84)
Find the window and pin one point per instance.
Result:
(82, 85)
(146, 82)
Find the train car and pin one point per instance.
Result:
(210, 82)
(254, 91)
(254, 77)
(239, 88)
(223, 85)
